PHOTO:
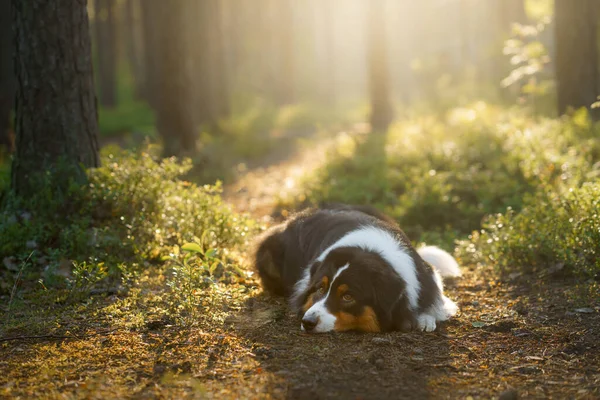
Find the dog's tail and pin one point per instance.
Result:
(442, 261)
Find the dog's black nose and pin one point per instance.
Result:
(309, 323)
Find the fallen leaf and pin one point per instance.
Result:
(478, 324)
(585, 310)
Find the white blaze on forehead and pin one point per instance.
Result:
(320, 311)
(390, 249)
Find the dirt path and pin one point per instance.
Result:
(257, 191)
(512, 338)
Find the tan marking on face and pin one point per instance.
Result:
(343, 288)
(366, 322)
(325, 282)
(309, 303)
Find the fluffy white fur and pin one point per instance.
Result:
(443, 308)
(377, 240)
(443, 262)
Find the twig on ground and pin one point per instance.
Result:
(55, 337)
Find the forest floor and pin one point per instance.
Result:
(514, 337)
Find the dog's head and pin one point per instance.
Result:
(354, 289)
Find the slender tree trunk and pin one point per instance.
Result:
(150, 35)
(7, 74)
(106, 45)
(133, 45)
(56, 120)
(379, 81)
(211, 97)
(218, 68)
(174, 98)
(234, 41)
(328, 26)
(285, 52)
(576, 54)
(199, 24)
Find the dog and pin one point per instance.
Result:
(351, 268)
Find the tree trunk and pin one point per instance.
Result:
(327, 28)
(133, 45)
(200, 58)
(173, 98)
(106, 45)
(7, 74)
(150, 38)
(576, 54)
(379, 81)
(219, 91)
(56, 120)
(285, 52)
(211, 99)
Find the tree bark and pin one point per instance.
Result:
(106, 45)
(379, 81)
(576, 54)
(56, 120)
(7, 74)
(173, 97)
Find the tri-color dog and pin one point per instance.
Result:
(352, 268)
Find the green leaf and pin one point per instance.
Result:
(478, 324)
(211, 253)
(213, 267)
(194, 247)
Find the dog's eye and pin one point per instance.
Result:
(348, 298)
(321, 290)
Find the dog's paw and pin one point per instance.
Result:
(426, 323)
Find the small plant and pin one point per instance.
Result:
(529, 59)
(85, 276)
(194, 269)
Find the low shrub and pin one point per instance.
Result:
(554, 232)
(130, 215)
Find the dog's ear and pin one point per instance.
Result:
(340, 257)
(394, 311)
